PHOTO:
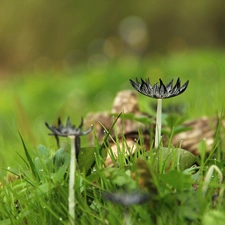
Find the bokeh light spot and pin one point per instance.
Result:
(133, 31)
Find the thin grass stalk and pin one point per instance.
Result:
(208, 177)
(71, 198)
(158, 123)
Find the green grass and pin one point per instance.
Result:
(39, 195)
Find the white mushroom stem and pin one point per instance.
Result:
(158, 123)
(71, 198)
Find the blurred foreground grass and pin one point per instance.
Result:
(28, 100)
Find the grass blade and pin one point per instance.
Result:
(30, 161)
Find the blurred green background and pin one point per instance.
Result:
(69, 58)
(60, 34)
